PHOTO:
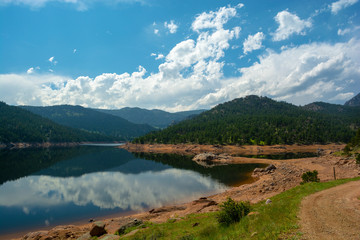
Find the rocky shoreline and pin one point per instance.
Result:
(278, 177)
(193, 149)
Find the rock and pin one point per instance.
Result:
(35, 235)
(195, 224)
(257, 170)
(91, 220)
(203, 203)
(268, 201)
(109, 237)
(86, 236)
(133, 223)
(204, 157)
(97, 229)
(210, 159)
(204, 200)
(167, 209)
(269, 168)
(320, 151)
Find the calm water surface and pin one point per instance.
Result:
(46, 187)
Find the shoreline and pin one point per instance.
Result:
(286, 175)
(192, 149)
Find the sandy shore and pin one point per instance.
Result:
(232, 150)
(269, 183)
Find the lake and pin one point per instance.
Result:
(41, 188)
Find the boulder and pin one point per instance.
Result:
(35, 235)
(133, 223)
(97, 229)
(109, 237)
(269, 168)
(86, 236)
(204, 157)
(258, 170)
(167, 209)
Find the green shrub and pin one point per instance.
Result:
(310, 177)
(347, 149)
(232, 211)
(187, 237)
(358, 158)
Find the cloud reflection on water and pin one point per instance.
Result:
(108, 190)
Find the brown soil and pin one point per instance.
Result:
(268, 183)
(333, 213)
(233, 150)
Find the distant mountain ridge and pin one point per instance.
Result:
(91, 120)
(355, 101)
(19, 125)
(156, 118)
(261, 120)
(333, 109)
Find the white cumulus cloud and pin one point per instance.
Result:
(190, 70)
(157, 56)
(343, 96)
(213, 20)
(253, 42)
(191, 74)
(300, 75)
(30, 70)
(171, 26)
(289, 24)
(342, 32)
(341, 4)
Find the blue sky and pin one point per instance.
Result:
(177, 55)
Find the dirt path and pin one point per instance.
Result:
(333, 213)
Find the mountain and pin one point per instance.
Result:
(91, 120)
(156, 118)
(333, 110)
(259, 120)
(355, 101)
(20, 125)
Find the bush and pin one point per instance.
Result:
(232, 211)
(358, 158)
(310, 177)
(347, 149)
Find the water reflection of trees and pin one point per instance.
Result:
(63, 162)
(231, 175)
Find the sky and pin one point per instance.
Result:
(177, 55)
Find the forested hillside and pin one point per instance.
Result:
(19, 125)
(92, 121)
(156, 118)
(334, 110)
(259, 120)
